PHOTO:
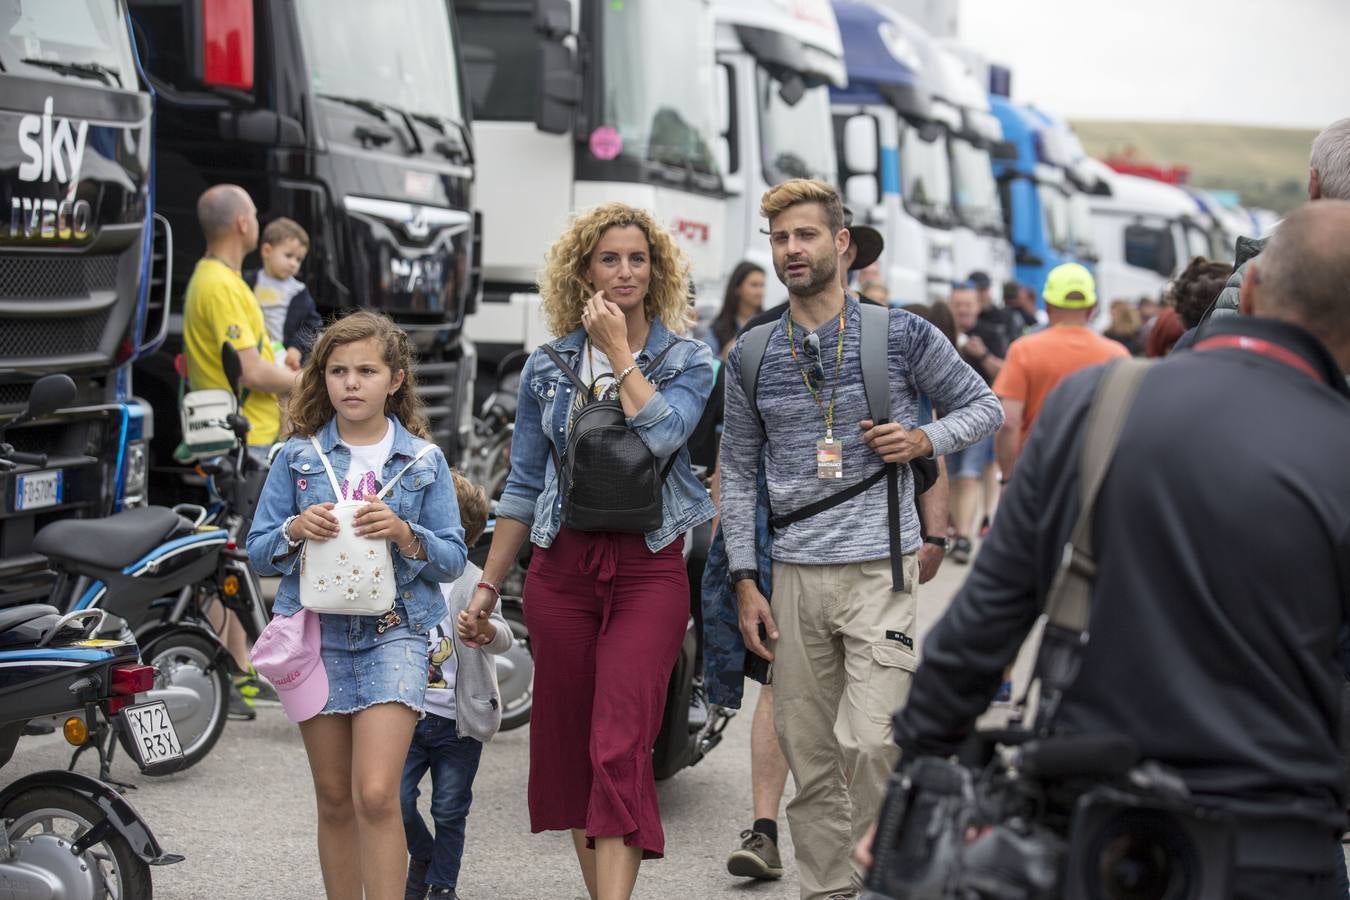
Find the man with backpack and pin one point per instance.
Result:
(842, 633)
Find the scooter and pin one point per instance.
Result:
(64, 834)
(143, 566)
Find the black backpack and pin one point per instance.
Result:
(874, 349)
(607, 478)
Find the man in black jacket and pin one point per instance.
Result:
(1220, 588)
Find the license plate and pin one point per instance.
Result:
(152, 733)
(38, 489)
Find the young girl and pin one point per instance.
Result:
(356, 398)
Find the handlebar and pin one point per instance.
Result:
(27, 459)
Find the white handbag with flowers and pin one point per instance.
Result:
(349, 574)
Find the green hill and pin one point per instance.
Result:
(1266, 166)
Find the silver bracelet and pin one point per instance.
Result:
(286, 533)
(618, 382)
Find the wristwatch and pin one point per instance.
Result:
(936, 540)
(743, 575)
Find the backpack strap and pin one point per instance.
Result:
(753, 344)
(327, 467)
(1069, 601)
(404, 471)
(874, 351)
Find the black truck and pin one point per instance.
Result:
(348, 116)
(81, 257)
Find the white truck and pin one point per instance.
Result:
(980, 236)
(776, 61)
(578, 102)
(687, 108)
(894, 166)
(1146, 232)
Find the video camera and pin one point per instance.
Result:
(1072, 816)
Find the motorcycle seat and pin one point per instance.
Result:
(19, 615)
(114, 542)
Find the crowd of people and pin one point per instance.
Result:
(858, 442)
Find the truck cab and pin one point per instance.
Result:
(775, 66)
(892, 132)
(79, 249)
(352, 119)
(578, 102)
(1147, 232)
(1042, 184)
(980, 235)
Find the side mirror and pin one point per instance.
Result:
(1003, 150)
(792, 89)
(1025, 257)
(220, 45)
(860, 146)
(229, 361)
(48, 394)
(861, 192)
(930, 131)
(261, 126)
(559, 91)
(724, 102)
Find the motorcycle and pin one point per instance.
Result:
(64, 834)
(143, 567)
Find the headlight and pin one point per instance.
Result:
(135, 469)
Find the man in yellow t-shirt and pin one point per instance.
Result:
(220, 308)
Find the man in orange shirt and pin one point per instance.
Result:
(1039, 361)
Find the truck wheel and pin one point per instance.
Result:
(195, 686)
(44, 822)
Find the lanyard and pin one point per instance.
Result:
(838, 362)
(1263, 347)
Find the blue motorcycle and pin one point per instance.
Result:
(64, 834)
(147, 569)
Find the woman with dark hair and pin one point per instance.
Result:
(1166, 331)
(743, 299)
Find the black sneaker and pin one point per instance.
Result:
(240, 709)
(757, 857)
(961, 548)
(415, 888)
(442, 893)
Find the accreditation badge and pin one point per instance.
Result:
(829, 458)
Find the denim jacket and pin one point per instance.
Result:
(683, 382)
(424, 498)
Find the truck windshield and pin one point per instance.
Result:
(925, 177)
(792, 140)
(1055, 209)
(658, 82)
(60, 39)
(367, 49)
(973, 187)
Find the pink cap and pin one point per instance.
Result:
(287, 654)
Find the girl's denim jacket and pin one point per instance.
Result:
(424, 498)
(683, 382)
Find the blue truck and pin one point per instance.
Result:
(81, 255)
(1044, 187)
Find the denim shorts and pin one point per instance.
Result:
(365, 667)
(972, 461)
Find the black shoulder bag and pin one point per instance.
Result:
(607, 478)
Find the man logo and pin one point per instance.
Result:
(60, 145)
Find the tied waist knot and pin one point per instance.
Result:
(601, 560)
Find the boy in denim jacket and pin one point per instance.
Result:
(463, 712)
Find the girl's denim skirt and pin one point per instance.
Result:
(365, 667)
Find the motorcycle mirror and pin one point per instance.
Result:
(49, 393)
(229, 360)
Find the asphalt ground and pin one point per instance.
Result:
(244, 817)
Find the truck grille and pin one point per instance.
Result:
(49, 337)
(56, 277)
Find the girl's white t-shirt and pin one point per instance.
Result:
(367, 467)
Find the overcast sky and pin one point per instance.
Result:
(1251, 62)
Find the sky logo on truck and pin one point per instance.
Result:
(54, 148)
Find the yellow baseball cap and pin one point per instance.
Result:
(1070, 278)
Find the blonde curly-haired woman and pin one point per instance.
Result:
(606, 610)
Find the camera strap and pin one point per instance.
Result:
(1069, 602)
